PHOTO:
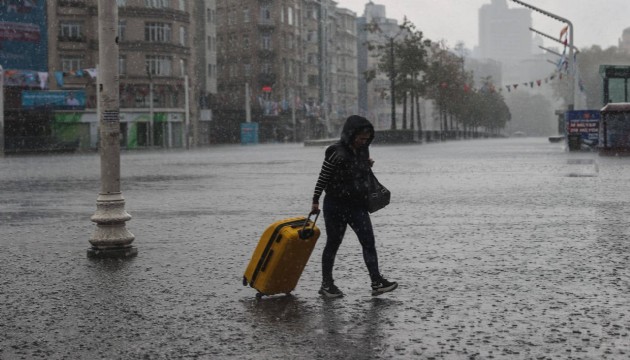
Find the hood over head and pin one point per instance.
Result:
(354, 125)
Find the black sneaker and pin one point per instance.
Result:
(330, 291)
(382, 286)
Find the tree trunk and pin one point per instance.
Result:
(404, 119)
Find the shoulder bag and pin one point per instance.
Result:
(378, 195)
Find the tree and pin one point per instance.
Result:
(403, 59)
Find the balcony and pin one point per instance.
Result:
(266, 24)
(266, 79)
(266, 53)
(67, 38)
(73, 3)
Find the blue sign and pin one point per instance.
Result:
(23, 35)
(249, 133)
(584, 123)
(54, 100)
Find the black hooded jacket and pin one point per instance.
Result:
(344, 173)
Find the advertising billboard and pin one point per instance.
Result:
(54, 100)
(23, 35)
(582, 128)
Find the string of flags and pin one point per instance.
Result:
(31, 78)
(562, 67)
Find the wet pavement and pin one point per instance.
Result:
(504, 249)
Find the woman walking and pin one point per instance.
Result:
(343, 177)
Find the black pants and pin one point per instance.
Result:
(337, 216)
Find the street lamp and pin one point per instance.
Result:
(110, 238)
(571, 59)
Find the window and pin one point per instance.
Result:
(312, 59)
(311, 12)
(265, 41)
(247, 69)
(157, 32)
(265, 14)
(290, 15)
(210, 14)
(122, 27)
(69, 30)
(245, 41)
(231, 17)
(122, 64)
(121, 3)
(231, 40)
(212, 71)
(183, 65)
(246, 16)
(71, 63)
(311, 36)
(289, 41)
(183, 36)
(157, 3)
(158, 65)
(266, 67)
(182, 5)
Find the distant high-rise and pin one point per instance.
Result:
(624, 42)
(504, 33)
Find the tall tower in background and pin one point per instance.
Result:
(504, 33)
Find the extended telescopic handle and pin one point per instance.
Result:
(306, 233)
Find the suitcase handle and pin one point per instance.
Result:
(306, 233)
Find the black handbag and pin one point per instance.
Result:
(378, 195)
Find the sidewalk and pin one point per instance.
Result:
(500, 254)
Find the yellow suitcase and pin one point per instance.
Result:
(281, 255)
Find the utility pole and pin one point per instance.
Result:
(1, 111)
(248, 109)
(392, 80)
(323, 62)
(110, 238)
(189, 141)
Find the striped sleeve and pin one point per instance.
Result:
(328, 168)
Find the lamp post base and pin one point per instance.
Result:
(108, 253)
(111, 238)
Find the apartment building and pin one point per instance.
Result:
(285, 53)
(156, 58)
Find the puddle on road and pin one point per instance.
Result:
(582, 168)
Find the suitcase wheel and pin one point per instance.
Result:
(259, 295)
(244, 281)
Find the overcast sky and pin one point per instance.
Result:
(595, 22)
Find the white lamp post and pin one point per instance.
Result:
(110, 238)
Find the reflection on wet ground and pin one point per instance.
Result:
(504, 249)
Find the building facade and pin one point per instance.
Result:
(156, 55)
(160, 48)
(285, 55)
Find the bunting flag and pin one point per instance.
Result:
(59, 78)
(43, 80)
(92, 72)
(564, 33)
(26, 78)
